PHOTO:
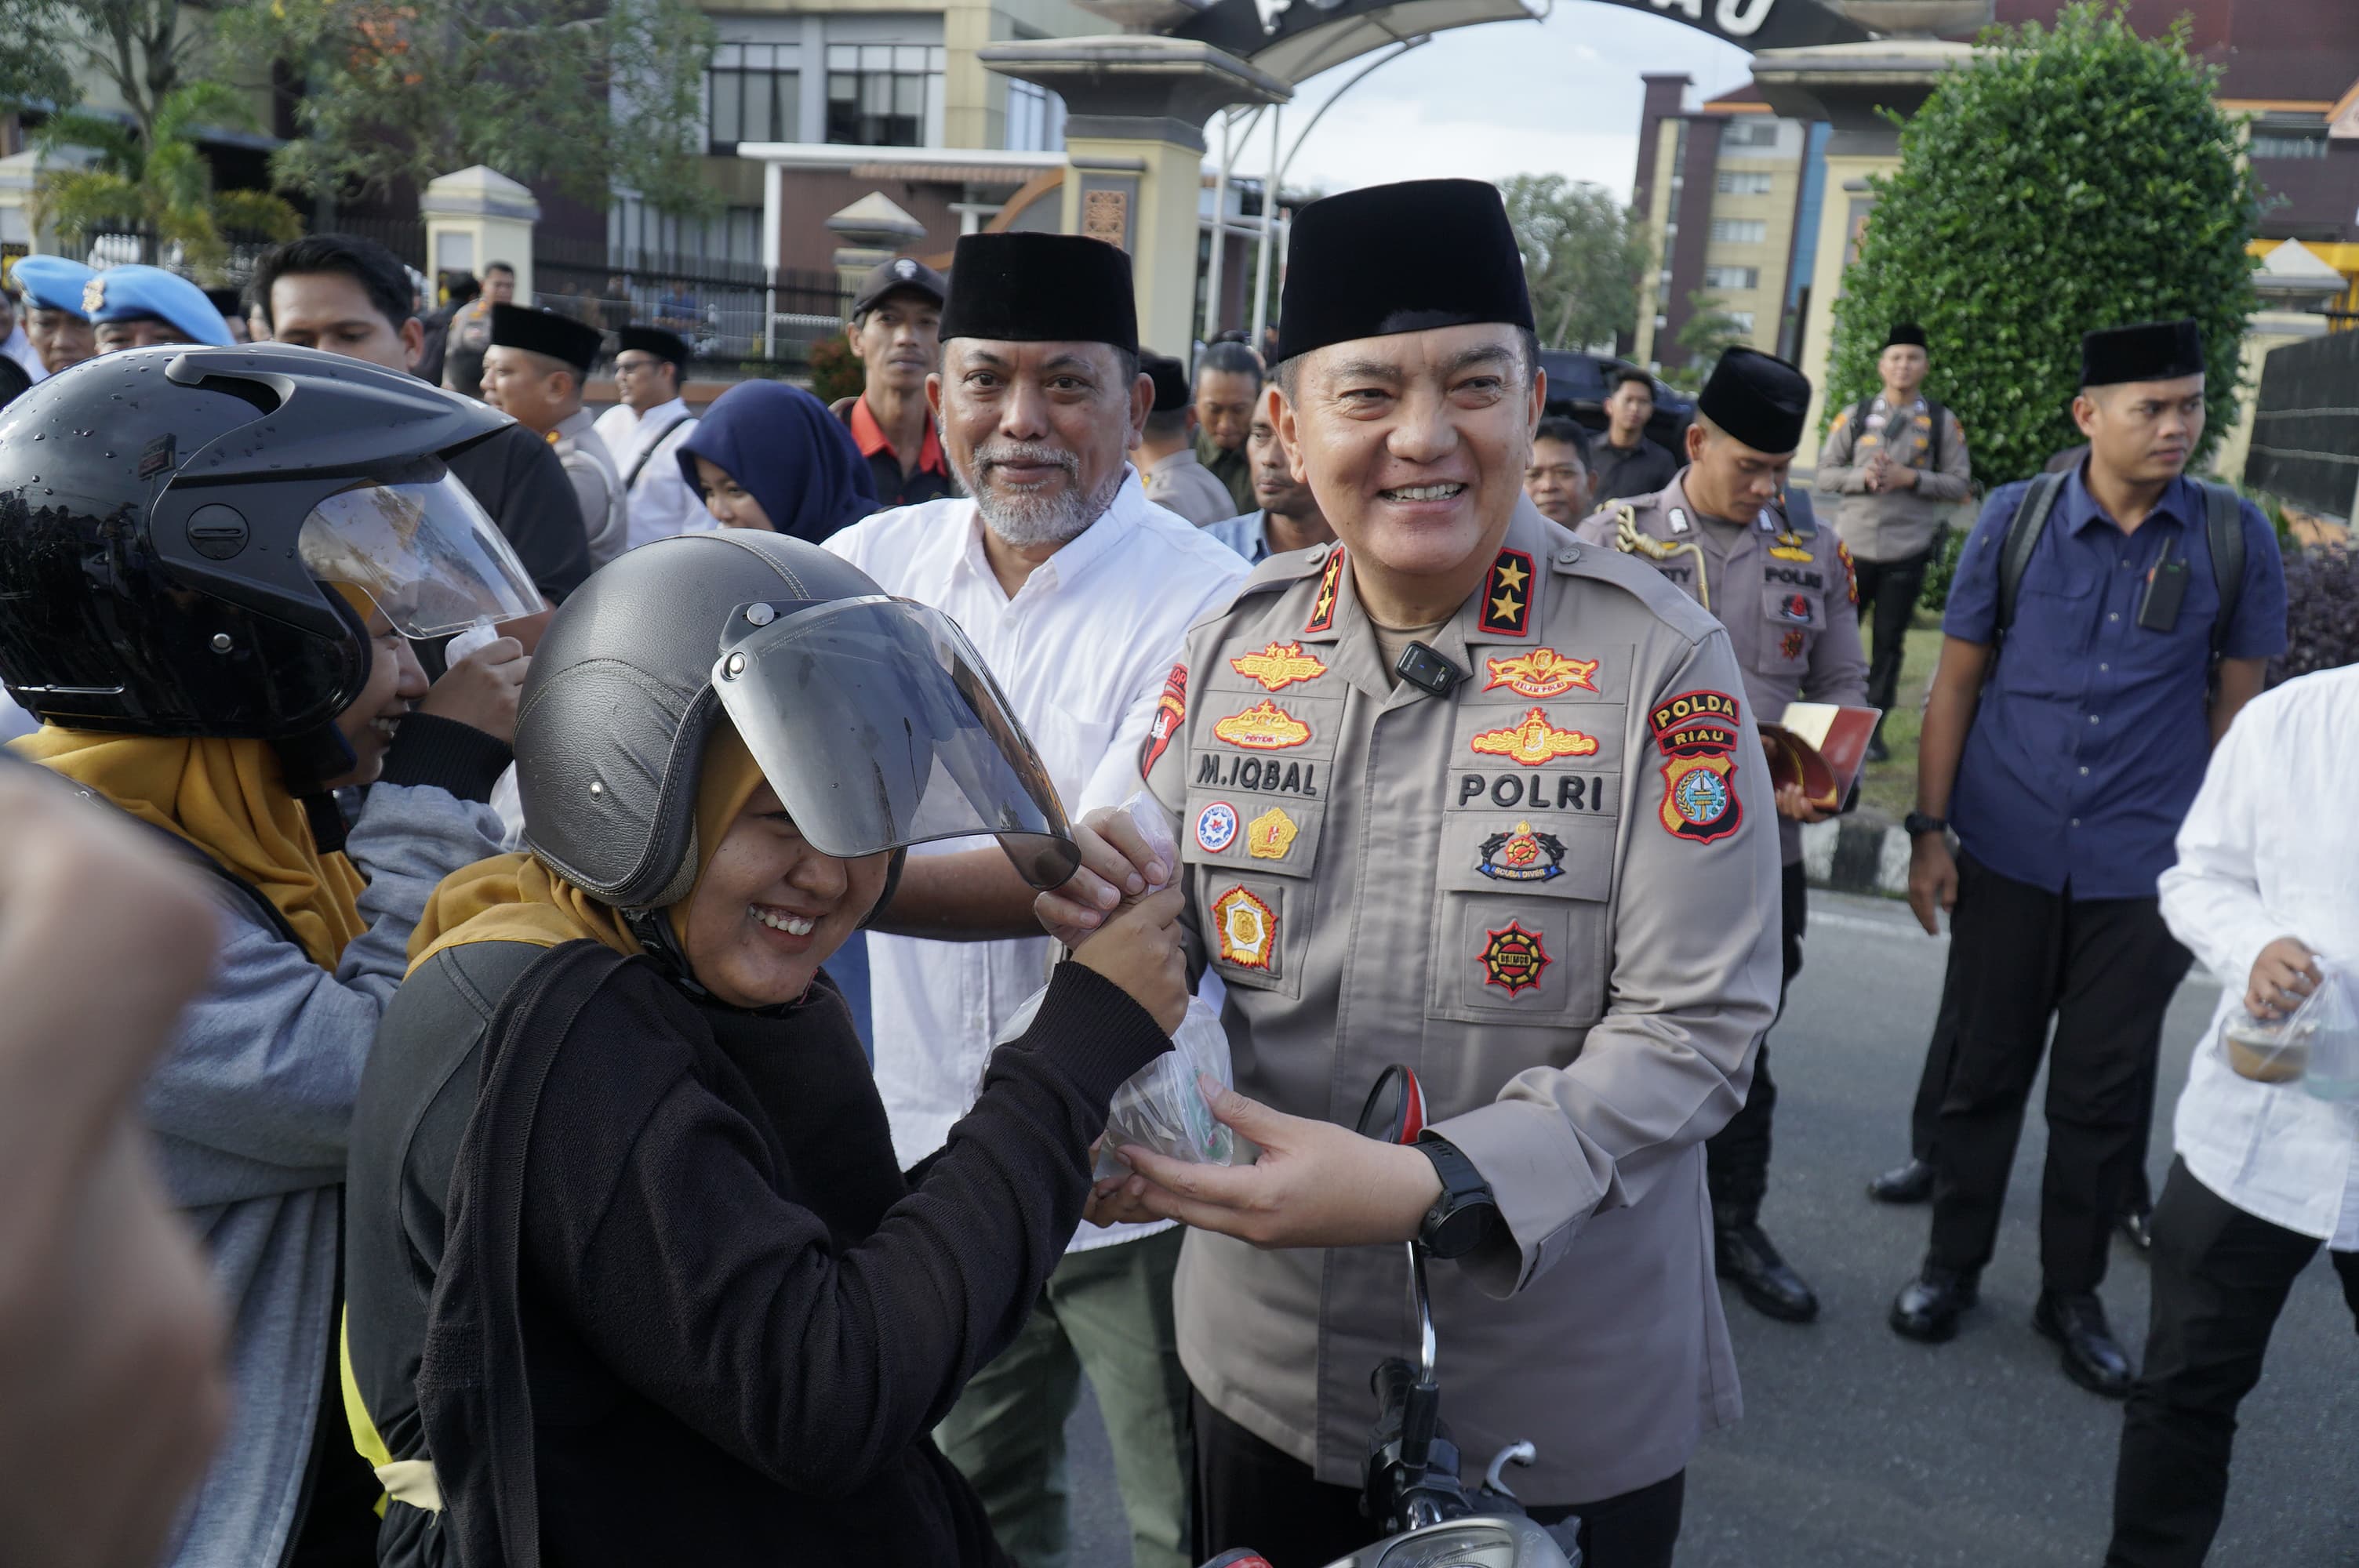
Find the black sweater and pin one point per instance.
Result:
(737, 1321)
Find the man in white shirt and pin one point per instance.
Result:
(1077, 593)
(643, 433)
(2265, 1171)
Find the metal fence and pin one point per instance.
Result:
(735, 314)
(120, 244)
(2305, 427)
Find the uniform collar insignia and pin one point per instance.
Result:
(1506, 605)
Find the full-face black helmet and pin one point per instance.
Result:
(172, 520)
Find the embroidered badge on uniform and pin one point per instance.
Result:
(1171, 712)
(1697, 732)
(1533, 740)
(1512, 958)
(1794, 609)
(1791, 546)
(1216, 826)
(1522, 855)
(1789, 644)
(1279, 666)
(1543, 672)
(1271, 836)
(1507, 596)
(94, 296)
(1248, 930)
(1264, 728)
(1850, 569)
(1322, 608)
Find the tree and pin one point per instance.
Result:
(591, 96)
(33, 71)
(2071, 177)
(155, 181)
(1583, 256)
(147, 49)
(1709, 333)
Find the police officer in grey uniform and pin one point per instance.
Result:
(1462, 793)
(1730, 535)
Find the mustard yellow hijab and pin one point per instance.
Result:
(517, 898)
(229, 798)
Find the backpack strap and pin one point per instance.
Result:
(2022, 533)
(647, 453)
(2223, 528)
(1940, 417)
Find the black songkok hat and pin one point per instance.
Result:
(1400, 258)
(668, 346)
(1172, 392)
(2151, 350)
(1907, 335)
(1758, 398)
(561, 337)
(1040, 288)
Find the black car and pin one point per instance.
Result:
(1577, 387)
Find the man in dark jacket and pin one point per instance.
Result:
(1622, 462)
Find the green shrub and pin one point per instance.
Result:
(835, 371)
(2071, 178)
(1941, 571)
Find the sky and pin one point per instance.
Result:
(1556, 96)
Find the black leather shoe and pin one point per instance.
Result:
(1911, 1183)
(2137, 1227)
(1930, 1306)
(2092, 1358)
(1747, 1260)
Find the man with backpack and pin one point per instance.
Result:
(2104, 627)
(1896, 464)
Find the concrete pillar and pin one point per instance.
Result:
(477, 216)
(873, 230)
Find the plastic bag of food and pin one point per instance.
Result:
(1162, 1107)
(2316, 1044)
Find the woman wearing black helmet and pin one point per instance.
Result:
(211, 562)
(633, 1275)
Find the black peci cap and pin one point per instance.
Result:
(2151, 350)
(668, 346)
(902, 275)
(1400, 258)
(1040, 288)
(1170, 376)
(1757, 398)
(1907, 335)
(561, 337)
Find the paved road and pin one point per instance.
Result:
(1862, 1450)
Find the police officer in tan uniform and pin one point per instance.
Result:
(1458, 792)
(1729, 533)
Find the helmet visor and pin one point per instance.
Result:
(878, 725)
(423, 550)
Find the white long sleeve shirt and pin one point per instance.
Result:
(1082, 649)
(2264, 853)
(661, 501)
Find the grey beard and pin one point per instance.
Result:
(1026, 522)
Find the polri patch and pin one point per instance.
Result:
(1216, 826)
(1512, 958)
(1331, 583)
(1543, 672)
(1522, 855)
(1278, 665)
(1248, 930)
(1265, 727)
(1171, 712)
(1533, 740)
(1271, 836)
(1506, 609)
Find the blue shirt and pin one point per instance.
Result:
(1246, 536)
(2092, 733)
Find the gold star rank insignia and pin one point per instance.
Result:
(1322, 610)
(1506, 596)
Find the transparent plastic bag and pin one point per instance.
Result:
(1163, 1107)
(2317, 1045)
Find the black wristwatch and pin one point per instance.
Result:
(1462, 1218)
(1917, 824)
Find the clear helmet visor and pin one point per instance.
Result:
(423, 550)
(878, 725)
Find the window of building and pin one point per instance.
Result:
(880, 95)
(1739, 230)
(1735, 183)
(753, 93)
(2287, 145)
(1732, 278)
(1760, 132)
(1036, 119)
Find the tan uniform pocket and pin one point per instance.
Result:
(1252, 860)
(1796, 615)
(1520, 932)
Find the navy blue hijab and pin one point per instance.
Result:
(785, 451)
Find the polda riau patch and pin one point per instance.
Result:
(1697, 732)
(1512, 958)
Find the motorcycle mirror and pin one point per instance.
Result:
(1395, 1109)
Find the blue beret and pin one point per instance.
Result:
(129, 293)
(51, 283)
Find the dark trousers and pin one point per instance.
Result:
(2221, 1276)
(1736, 1158)
(2104, 969)
(1887, 594)
(1250, 1494)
